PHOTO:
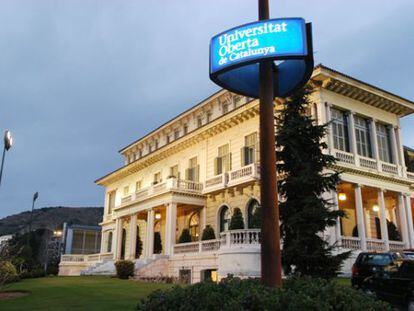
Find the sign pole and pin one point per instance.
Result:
(271, 264)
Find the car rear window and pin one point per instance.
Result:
(375, 259)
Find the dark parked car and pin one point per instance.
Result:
(394, 284)
(368, 263)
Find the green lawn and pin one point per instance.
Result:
(78, 293)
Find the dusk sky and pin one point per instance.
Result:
(79, 80)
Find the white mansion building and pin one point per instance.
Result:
(197, 168)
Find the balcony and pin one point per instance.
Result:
(171, 185)
(86, 258)
(352, 159)
(410, 176)
(245, 174)
(215, 183)
(233, 239)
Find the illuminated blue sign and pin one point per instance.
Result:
(283, 38)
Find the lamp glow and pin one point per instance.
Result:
(342, 196)
(375, 208)
(157, 216)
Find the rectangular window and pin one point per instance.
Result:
(222, 162)
(174, 171)
(111, 201)
(250, 151)
(149, 148)
(340, 130)
(225, 107)
(193, 170)
(384, 143)
(138, 185)
(199, 122)
(185, 129)
(209, 114)
(157, 178)
(168, 139)
(363, 138)
(156, 144)
(126, 190)
(176, 134)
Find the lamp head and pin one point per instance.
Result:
(8, 140)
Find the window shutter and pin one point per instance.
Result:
(197, 172)
(215, 166)
(242, 156)
(187, 174)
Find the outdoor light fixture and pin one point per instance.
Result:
(57, 233)
(375, 208)
(342, 196)
(157, 216)
(8, 142)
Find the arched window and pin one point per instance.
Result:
(109, 242)
(253, 214)
(194, 225)
(224, 218)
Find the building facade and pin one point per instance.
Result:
(194, 170)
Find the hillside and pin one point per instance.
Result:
(51, 218)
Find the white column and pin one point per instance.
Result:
(360, 217)
(104, 241)
(337, 236)
(133, 236)
(394, 148)
(330, 131)
(383, 219)
(118, 238)
(410, 226)
(401, 151)
(150, 233)
(403, 220)
(203, 218)
(352, 136)
(170, 227)
(374, 140)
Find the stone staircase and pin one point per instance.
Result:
(156, 266)
(100, 268)
(152, 267)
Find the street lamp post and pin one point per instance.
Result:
(35, 196)
(271, 265)
(8, 142)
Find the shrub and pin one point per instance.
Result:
(8, 272)
(250, 294)
(185, 236)
(37, 272)
(208, 233)
(138, 247)
(236, 221)
(124, 269)
(157, 243)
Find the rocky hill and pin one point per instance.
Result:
(51, 218)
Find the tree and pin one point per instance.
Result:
(157, 243)
(305, 214)
(208, 233)
(236, 221)
(185, 236)
(138, 247)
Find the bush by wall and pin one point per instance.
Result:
(8, 273)
(236, 221)
(157, 243)
(124, 269)
(185, 236)
(208, 233)
(236, 294)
